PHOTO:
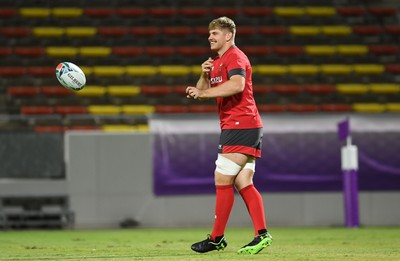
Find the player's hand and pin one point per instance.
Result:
(192, 92)
(207, 66)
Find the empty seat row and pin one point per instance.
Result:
(170, 11)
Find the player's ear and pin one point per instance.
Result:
(228, 36)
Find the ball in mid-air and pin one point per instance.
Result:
(70, 76)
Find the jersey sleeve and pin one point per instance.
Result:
(237, 65)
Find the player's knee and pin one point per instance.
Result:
(226, 166)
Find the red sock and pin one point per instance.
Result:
(223, 206)
(254, 203)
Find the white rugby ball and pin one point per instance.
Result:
(70, 76)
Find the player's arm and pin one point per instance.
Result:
(231, 87)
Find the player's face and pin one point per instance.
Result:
(218, 39)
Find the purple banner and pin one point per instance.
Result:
(298, 155)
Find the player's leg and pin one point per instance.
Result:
(227, 167)
(254, 203)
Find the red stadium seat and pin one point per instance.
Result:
(384, 49)
(287, 89)
(64, 110)
(130, 11)
(83, 127)
(146, 30)
(22, 91)
(156, 90)
(29, 51)
(393, 68)
(206, 108)
(33, 110)
(15, 31)
(127, 51)
(257, 11)
(12, 71)
(393, 29)
(351, 11)
(192, 50)
(261, 89)
(303, 107)
(201, 30)
(288, 50)
(4, 51)
(368, 30)
(171, 109)
(8, 12)
(272, 30)
(319, 88)
(55, 91)
(113, 31)
(44, 71)
(159, 50)
(334, 107)
(272, 107)
(98, 12)
(382, 11)
(247, 30)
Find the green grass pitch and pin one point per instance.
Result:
(370, 243)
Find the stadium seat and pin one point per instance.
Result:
(384, 49)
(177, 30)
(287, 89)
(49, 128)
(66, 12)
(261, 89)
(303, 107)
(113, 31)
(275, 30)
(130, 11)
(174, 70)
(61, 51)
(8, 12)
(352, 49)
(270, 69)
(156, 90)
(192, 50)
(289, 11)
(392, 29)
(336, 30)
(353, 88)
(15, 31)
(41, 71)
(369, 107)
(65, 110)
(104, 109)
(335, 69)
(320, 49)
(92, 91)
(384, 88)
(141, 70)
(163, 11)
(336, 107)
(22, 91)
(225, 11)
(393, 107)
(29, 51)
(109, 71)
(145, 30)
(392, 68)
(171, 109)
(382, 11)
(48, 31)
(368, 30)
(317, 89)
(98, 51)
(320, 11)
(4, 51)
(35, 12)
(288, 50)
(303, 69)
(36, 110)
(124, 128)
(209, 108)
(159, 50)
(257, 11)
(55, 91)
(121, 90)
(12, 71)
(351, 10)
(80, 31)
(368, 68)
(194, 11)
(137, 109)
(304, 30)
(98, 12)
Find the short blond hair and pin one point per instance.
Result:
(223, 23)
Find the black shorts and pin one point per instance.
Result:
(246, 141)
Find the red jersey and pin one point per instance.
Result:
(238, 111)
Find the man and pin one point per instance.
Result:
(228, 78)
